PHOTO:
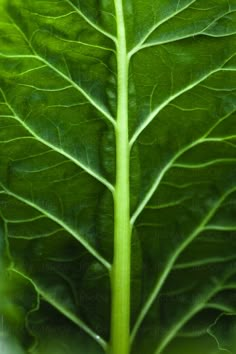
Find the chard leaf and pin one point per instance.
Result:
(117, 176)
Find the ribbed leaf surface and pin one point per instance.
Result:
(58, 137)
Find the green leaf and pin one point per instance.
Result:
(223, 331)
(117, 176)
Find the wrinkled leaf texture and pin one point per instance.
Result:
(58, 103)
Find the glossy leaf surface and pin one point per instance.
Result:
(64, 73)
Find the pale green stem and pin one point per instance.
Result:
(120, 319)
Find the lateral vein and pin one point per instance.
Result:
(92, 24)
(49, 299)
(173, 259)
(66, 227)
(61, 74)
(57, 149)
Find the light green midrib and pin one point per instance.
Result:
(120, 275)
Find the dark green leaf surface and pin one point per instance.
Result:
(58, 108)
